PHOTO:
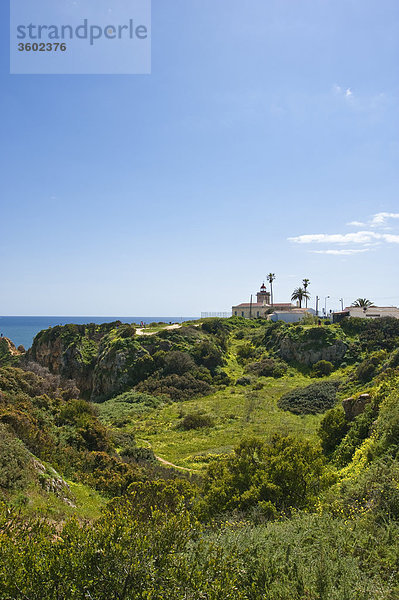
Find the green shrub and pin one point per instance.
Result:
(315, 398)
(287, 473)
(73, 410)
(268, 367)
(14, 460)
(359, 430)
(373, 333)
(215, 326)
(178, 363)
(196, 420)
(322, 368)
(370, 367)
(246, 350)
(209, 355)
(333, 428)
(177, 387)
(244, 380)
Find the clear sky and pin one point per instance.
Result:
(265, 139)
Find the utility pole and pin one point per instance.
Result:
(250, 308)
(325, 305)
(317, 306)
(342, 304)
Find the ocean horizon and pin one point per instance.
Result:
(22, 330)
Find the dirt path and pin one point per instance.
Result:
(166, 462)
(169, 464)
(142, 331)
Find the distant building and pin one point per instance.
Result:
(292, 316)
(372, 312)
(261, 308)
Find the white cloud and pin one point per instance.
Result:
(377, 220)
(357, 224)
(359, 237)
(343, 92)
(364, 239)
(382, 217)
(346, 252)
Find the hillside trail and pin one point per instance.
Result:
(167, 463)
(142, 331)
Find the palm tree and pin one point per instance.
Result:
(362, 303)
(270, 278)
(299, 294)
(305, 283)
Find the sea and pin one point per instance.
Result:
(22, 330)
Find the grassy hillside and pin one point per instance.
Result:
(287, 443)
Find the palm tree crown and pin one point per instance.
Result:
(300, 294)
(362, 303)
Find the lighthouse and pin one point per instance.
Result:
(263, 296)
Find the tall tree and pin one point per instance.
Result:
(270, 278)
(299, 294)
(306, 283)
(362, 303)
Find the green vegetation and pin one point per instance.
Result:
(273, 488)
(315, 398)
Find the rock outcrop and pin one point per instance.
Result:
(355, 406)
(103, 359)
(305, 354)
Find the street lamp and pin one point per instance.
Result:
(325, 305)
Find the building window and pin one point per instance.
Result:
(235, 312)
(242, 313)
(257, 313)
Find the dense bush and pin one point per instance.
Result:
(209, 355)
(215, 326)
(177, 387)
(14, 460)
(373, 333)
(322, 368)
(178, 363)
(359, 430)
(244, 380)
(268, 367)
(333, 428)
(315, 398)
(196, 420)
(246, 350)
(283, 474)
(370, 367)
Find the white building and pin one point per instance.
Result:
(372, 312)
(262, 307)
(292, 316)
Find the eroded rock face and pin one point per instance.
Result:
(8, 350)
(52, 482)
(103, 359)
(305, 354)
(355, 406)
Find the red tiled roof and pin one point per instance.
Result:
(260, 304)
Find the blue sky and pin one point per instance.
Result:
(265, 139)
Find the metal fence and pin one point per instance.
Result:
(221, 315)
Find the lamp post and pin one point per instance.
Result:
(342, 304)
(317, 306)
(325, 305)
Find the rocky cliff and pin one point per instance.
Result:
(308, 346)
(102, 359)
